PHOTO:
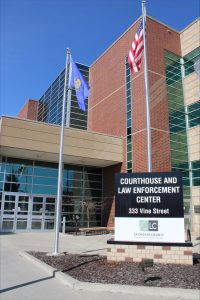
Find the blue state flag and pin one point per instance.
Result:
(78, 82)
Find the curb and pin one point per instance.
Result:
(75, 284)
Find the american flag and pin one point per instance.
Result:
(135, 53)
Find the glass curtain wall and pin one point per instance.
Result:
(177, 125)
(50, 104)
(82, 186)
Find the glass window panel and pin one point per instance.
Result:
(22, 224)
(129, 147)
(50, 208)
(196, 181)
(37, 209)
(45, 172)
(44, 189)
(129, 156)
(93, 177)
(128, 123)
(129, 139)
(1, 186)
(22, 207)
(196, 164)
(10, 198)
(19, 161)
(7, 224)
(92, 193)
(197, 209)
(129, 165)
(38, 199)
(9, 206)
(36, 224)
(45, 180)
(49, 225)
(194, 122)
(128, 107)
(25, 188)
(50, 200)
(93, 184)
(128, 131)
(129, 115)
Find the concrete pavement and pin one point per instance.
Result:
(22, 279)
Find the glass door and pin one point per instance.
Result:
(37, 215)
(22, 212)
(8, 212)
(15, 212)
(49, 215)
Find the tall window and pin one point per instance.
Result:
(128, 120)
(177, 123)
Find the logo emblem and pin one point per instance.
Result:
(148, 225)
(153, 225)
(77, 83)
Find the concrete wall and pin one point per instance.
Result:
(190, 37)
(40, 141)
(189, 41)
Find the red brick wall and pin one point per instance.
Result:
(29, 110)
(107, 102)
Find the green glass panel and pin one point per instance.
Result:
(196, 164)
(196, 181)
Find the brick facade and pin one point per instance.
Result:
(107, 102)
(29, 110)
(173, 254)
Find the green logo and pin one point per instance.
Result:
(143, 225)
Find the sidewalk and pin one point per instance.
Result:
(22, 279)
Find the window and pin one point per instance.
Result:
(194, 114)
(196, 173)
(190, 59)
(128, 120)
(197, 209)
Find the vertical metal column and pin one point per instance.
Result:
(60, 168)
(148, 124)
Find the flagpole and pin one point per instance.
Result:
(148, 124)
(60, 167)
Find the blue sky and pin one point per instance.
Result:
(34, 35)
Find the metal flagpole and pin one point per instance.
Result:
(148, 124)
(60, 168)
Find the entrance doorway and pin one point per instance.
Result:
(24, 212)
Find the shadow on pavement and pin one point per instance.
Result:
(28, 283)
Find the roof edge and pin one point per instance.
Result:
(197, 19)
(127, 31)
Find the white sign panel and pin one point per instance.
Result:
(150, 230)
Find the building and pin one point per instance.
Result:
(115, 139)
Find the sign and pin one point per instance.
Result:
(149, 207)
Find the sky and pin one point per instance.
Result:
(34, 35)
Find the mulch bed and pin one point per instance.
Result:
(95, 268)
